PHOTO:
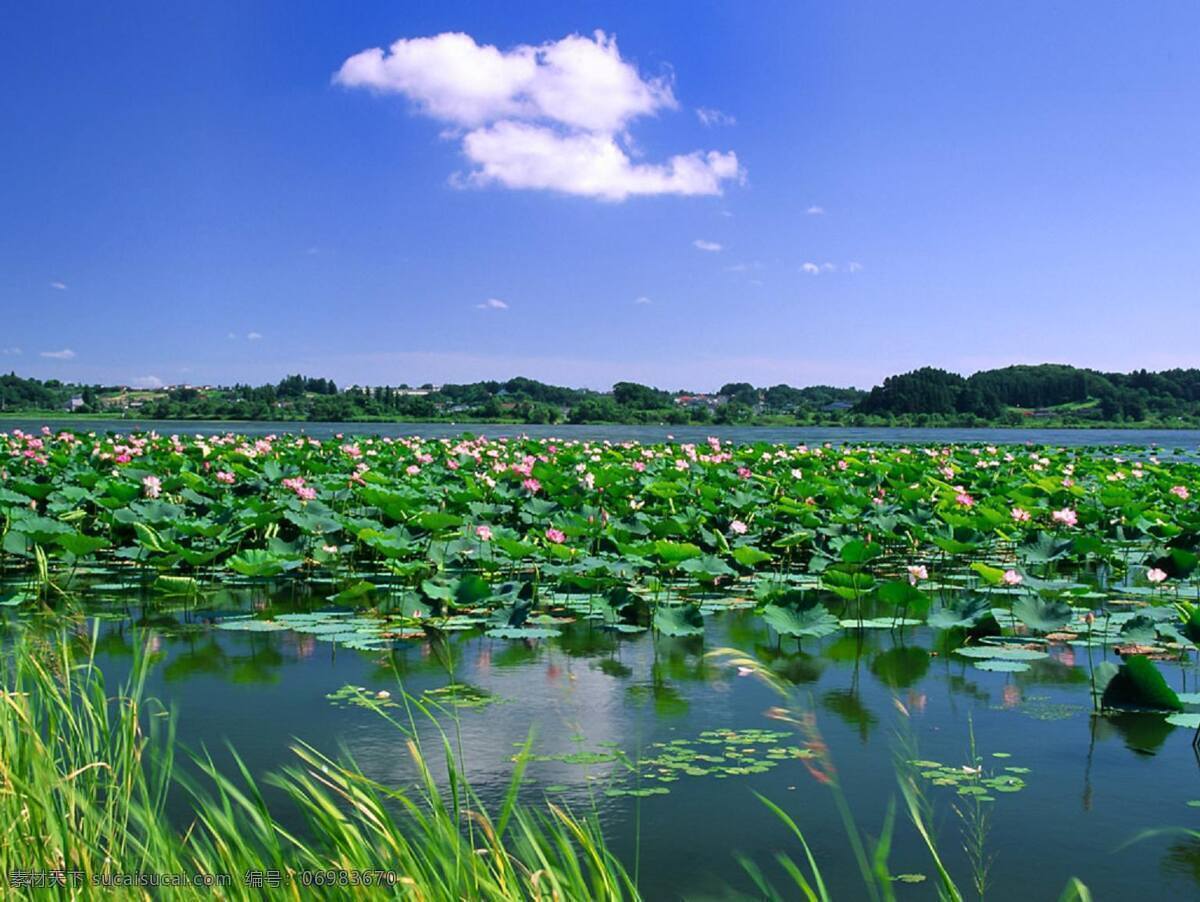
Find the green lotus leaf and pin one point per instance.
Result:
(814, 621)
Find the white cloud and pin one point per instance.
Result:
(642, 300)
(492, 304)
(814, 210)
(59, 286)
(145, 382)
(64, 354)
(811, 268)
(253, 336)
(703, 245)
(10, 352)
(592, 164)
(744, 267)
(709, 117)
(578, 81)
(551, 117)
(854, 266)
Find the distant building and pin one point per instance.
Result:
(75, 403)
(398, 392)
(834, 406)
(700, 400)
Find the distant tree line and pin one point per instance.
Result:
(1054, 394)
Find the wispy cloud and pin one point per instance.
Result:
(147, 382)
(64, 354)
(815, 269)
(709, 117)
(814, 210)
(492, 304)
(10, 352)
(59, 286)
(703, 245)
(253, 336)
(642, 300)
(551, 117)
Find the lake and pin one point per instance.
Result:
(1188, 439)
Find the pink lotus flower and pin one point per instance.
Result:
(531, 485)
(1181, 492)
(738, 527)
(151, 487)
(1066, 516)
(484, 533)
(916, 573)
(303, 492)
(964, 499)
(412, 469)
(1020, 515)
(1012, 578)
(224, 476)
(743, 472)
(557, 536)
(1155, 575)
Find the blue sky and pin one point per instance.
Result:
(212, 192)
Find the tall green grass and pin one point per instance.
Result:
(85, 775)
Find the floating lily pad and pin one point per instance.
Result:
(250, 625)
(1190, 721)
(998, 653)
(522, 632)
(997, 665)
(880, 623)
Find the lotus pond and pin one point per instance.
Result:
(661, 633)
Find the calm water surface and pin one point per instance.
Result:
(1188, 439)
(1091, 785)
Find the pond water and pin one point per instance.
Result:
(1073, 789)
(1188, 439)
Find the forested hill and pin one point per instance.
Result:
(1039, 390)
